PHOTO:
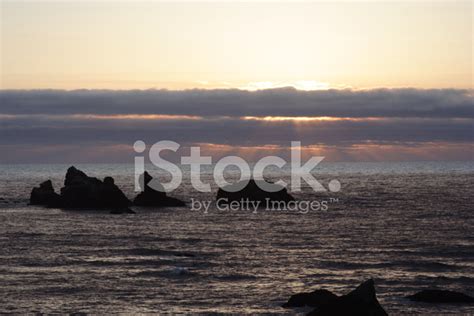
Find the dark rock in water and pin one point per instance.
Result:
(82, 191)
(253, 192)
(441, 296)
(361, 301)
(150, 197)
(45, 195)
(312, 299)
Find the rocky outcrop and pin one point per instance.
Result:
(441, 296)
(45, 195)
(82, 191)
(361, 301)
(312, 299)
(152, 198)
(253, 192)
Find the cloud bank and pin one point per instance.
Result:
(101, 125)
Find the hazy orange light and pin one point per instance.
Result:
(308, 118)
(136, 117)
(291, 118)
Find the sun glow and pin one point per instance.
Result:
(291, 118)
(136, 117)
(308, 118)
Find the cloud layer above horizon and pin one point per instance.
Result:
(102, 125)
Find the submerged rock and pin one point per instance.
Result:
(361, 301)
(81, 191)
(312, 299)
(152, 198)
(441, 296)
(253, 191)
(45, 195)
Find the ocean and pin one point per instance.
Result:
(409, 226)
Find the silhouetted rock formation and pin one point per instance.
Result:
(312, 299)
(45, 195)
(81, 191)
(361, 301)
(152, 198)
(441, 296)
(253, 192)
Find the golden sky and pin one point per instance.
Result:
(178, 45)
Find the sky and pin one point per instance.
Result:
(81, 81)
(179, 45)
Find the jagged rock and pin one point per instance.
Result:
(441, 296)
(150, 197)
(82, 191)
(312, 299)
(360, 302)
(253, 192)
(45, 195)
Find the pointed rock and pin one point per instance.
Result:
(152, 198)
(361, 301)
(75, 176)
(82, 191)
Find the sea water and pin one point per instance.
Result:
(409, 226)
